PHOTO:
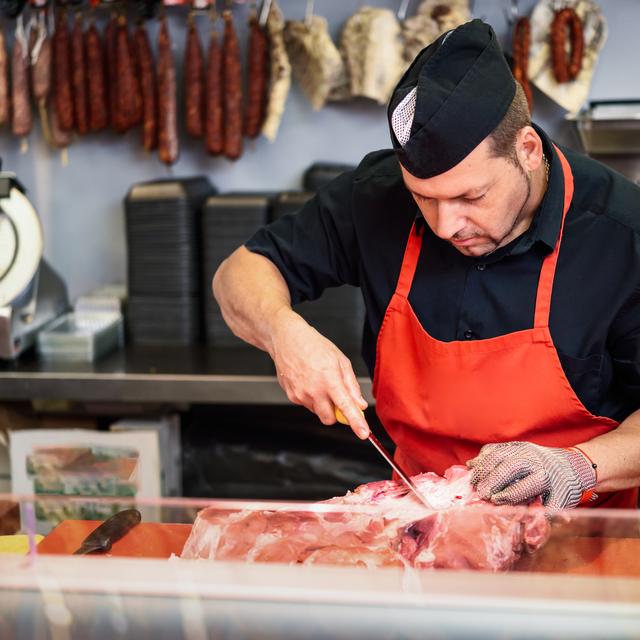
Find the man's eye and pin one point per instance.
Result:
(477, 199)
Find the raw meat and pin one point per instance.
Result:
(381, 525)
(372, 50)
(316, 61)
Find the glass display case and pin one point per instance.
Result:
(238, 569)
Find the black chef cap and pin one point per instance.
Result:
(463, 88)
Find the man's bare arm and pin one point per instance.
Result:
(253, 296)
(255, 303)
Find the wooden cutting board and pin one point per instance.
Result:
(146, 540)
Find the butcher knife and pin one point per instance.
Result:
(110, 531)
(340, 417)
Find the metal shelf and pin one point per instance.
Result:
(609, 127)
(196, 374)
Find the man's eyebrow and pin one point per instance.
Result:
(466, 194)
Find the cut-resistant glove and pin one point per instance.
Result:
(518, 472)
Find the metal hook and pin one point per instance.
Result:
(512, 13)
(264, 12)
(309, 12)
(213, 13)
(402, 10)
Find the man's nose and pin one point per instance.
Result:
(449, 220)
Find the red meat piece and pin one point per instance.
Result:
(382, 525)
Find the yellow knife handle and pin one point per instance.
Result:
(340, 417)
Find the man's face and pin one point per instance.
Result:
(478, 205)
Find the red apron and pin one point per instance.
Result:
(441, 401)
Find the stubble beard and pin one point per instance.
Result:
(496, 242)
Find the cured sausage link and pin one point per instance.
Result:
(566, 23)
(214, 133)
(22, 118)
(194, 82)
(258, 72)
(79, 77)
(148, 89)
(167, 120)
(232, 90)
(97, 80)
(63, 97)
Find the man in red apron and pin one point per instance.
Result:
(500, 309)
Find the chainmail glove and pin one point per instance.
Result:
(518, 472)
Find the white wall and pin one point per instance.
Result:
(81, 204)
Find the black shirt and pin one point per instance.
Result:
(355, 230)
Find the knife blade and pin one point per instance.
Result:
(340, 417)
(111, 530)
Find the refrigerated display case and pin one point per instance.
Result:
(584, 581)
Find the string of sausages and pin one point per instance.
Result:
(82, 81)
(566, 28)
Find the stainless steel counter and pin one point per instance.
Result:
(155, 374)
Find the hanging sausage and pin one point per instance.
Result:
(4, 80)
(167, 119)
(112, 73)
(148, 89)
(258, 75)
(97, 80)
(63, 97)
(41, 60)
(128, 102)
(22, 118)
(79, 77)
(137, 112)
(193, 81)
(566, 24)
(214, 134)
(60, 139)
(41, 63)
(232, 90)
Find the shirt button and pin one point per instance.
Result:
(481, 266)
(468, 334)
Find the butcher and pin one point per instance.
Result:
(501, 278)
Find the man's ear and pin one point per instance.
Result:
(529, 148)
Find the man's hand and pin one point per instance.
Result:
(518, 472)
(315, 373)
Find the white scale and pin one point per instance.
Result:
(31, 293)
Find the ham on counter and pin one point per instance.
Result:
(397, 530)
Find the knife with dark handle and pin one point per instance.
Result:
(117, 526)
(340, 417)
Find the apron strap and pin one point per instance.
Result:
(547, 273)
(410, 260)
